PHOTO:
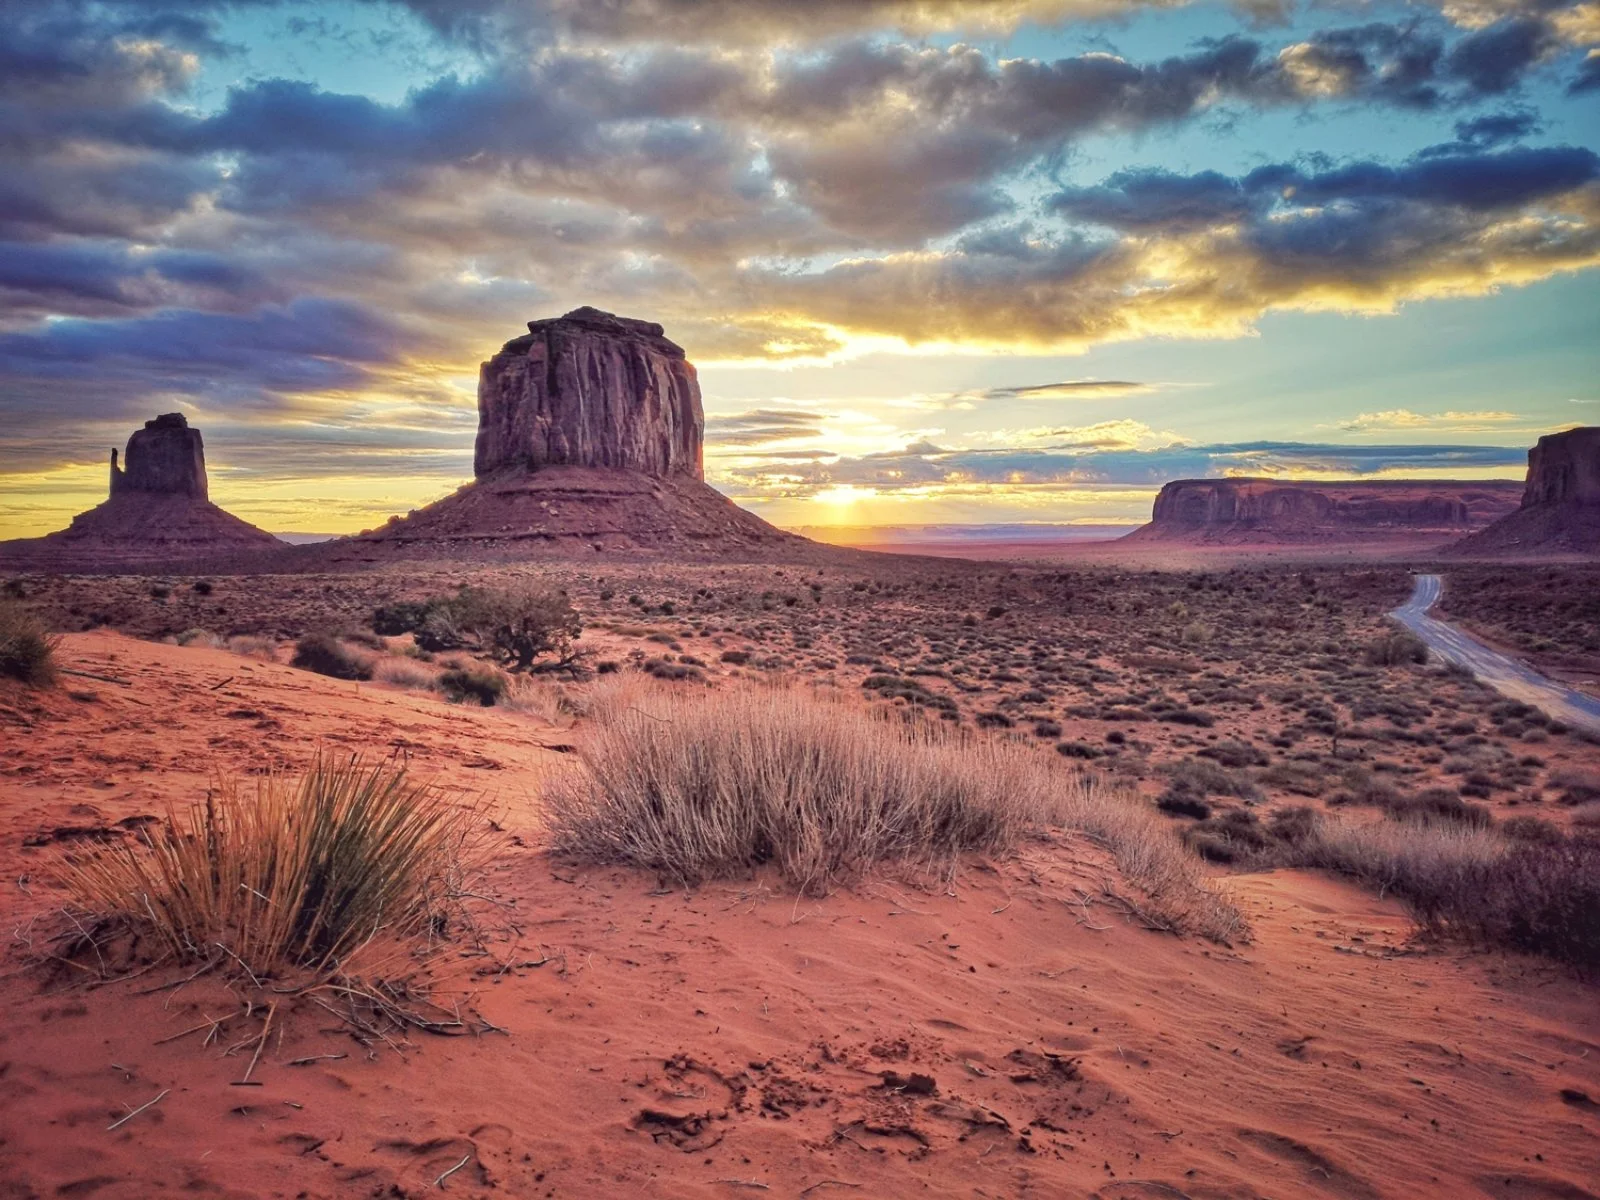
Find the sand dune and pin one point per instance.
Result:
(1001, 1038)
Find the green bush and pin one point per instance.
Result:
(324, 654)
(27, 652)
(514, 626)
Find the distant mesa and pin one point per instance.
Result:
(590, 433)
(1270, 511)
(1560, 510)
(158, 512)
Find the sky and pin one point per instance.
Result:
(937, 261)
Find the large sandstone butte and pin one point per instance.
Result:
(589, 434)
(590, 390)
(1560, 510)
(159, 513)
(1269, 511)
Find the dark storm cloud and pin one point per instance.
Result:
(252, 358)
(1587, 78)
(1148, 199)
(106, 278)
(1493, 60)
(1485, 133)
(1479, 182)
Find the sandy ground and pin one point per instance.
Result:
(996, 1039)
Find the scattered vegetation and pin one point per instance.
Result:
(27, 652)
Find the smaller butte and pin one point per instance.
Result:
(158, 513)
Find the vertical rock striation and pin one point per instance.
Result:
(1560, 512)
(590, 389)
(589, 438)
(1564, 468)
(166, 456)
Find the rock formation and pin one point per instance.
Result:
(590, 390)
(1264, 511)
(1560, 510)
(158, 513)
(589, 436)
(166, 457)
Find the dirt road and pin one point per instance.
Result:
(1501, 672)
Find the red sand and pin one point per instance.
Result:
(1070, 1052)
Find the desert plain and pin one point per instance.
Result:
(1034, 1020)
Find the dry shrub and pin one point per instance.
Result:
(405, 673)
(466, 681)
(553, 703)
(709, 784)
(253, 646)
(203, 638)
(327, 655)
(1471, 883)
(27, 652)
(1396, 647)
(285, 873)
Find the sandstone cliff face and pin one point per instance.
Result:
(1560, 512)
(1265, 509)
(166, 456)
(1564, 468)
(589, 438)
(590, 390)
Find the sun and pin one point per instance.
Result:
(843, 495)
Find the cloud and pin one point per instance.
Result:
(778, 181)
(1454, 422)
(1073, 389)
(1114, 462)
(761, 426)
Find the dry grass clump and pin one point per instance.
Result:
(286, 873)
(1539, 897)
(1396, 647)
(203, 638)
(472, 682)
(710, 784)
(327, 655)
(406, 673)
(27, 652)
(253, 646)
